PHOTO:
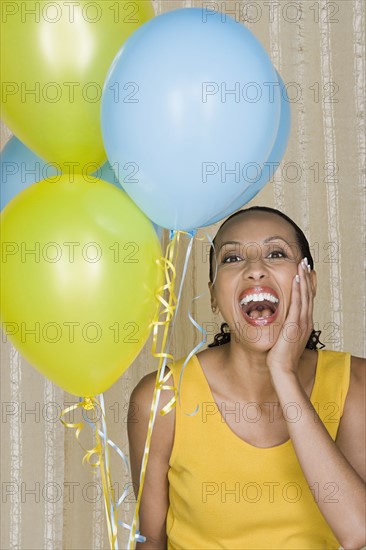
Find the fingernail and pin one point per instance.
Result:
(309, 268)
(297, 278)
(303, 265)
(306, 262)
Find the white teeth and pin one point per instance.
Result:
(258, 298)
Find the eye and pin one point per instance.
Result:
(231, 258)
(276, 254)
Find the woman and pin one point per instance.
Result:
(266, 448)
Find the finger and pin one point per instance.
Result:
(307, 297)
(291, 331)
(304, 290)
(293, 315)
(303, 318)
(311, 293)
(311, 297)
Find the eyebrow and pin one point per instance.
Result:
(267, 240)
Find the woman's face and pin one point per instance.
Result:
(257, 259)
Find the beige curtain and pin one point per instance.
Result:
(49, 500)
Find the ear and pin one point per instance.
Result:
(213, 298)
(313, 276)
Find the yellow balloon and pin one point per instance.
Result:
(79, 279)
(54, 60)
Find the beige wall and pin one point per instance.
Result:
(311, 44)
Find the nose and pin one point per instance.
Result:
(254, 270)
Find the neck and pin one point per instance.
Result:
(248, 371)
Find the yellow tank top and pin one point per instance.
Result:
(226, 493)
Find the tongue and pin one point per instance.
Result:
(256, 314)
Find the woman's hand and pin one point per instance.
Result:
(286, 352)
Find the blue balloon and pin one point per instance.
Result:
(20, 167)
(189, 97)
(270, 166)
(106, 173)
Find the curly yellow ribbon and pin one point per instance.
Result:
(91, 403)
(168, 307)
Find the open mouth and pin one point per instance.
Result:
(259, 305)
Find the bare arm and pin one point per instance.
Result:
(323, 461)
(155, 500)
(340, 464)
(352, 429)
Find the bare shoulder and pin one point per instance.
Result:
(140, 410)
(144, 391)
(352, 429)
(358, 371)
(355, 399)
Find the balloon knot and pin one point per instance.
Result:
(88, 404)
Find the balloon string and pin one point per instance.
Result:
(203, 332)
(92, 403)
(162, 379)
(169, 308)
(109, 497)
(172, 402)
(109, 500)
(103, 434)
(168, 264)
